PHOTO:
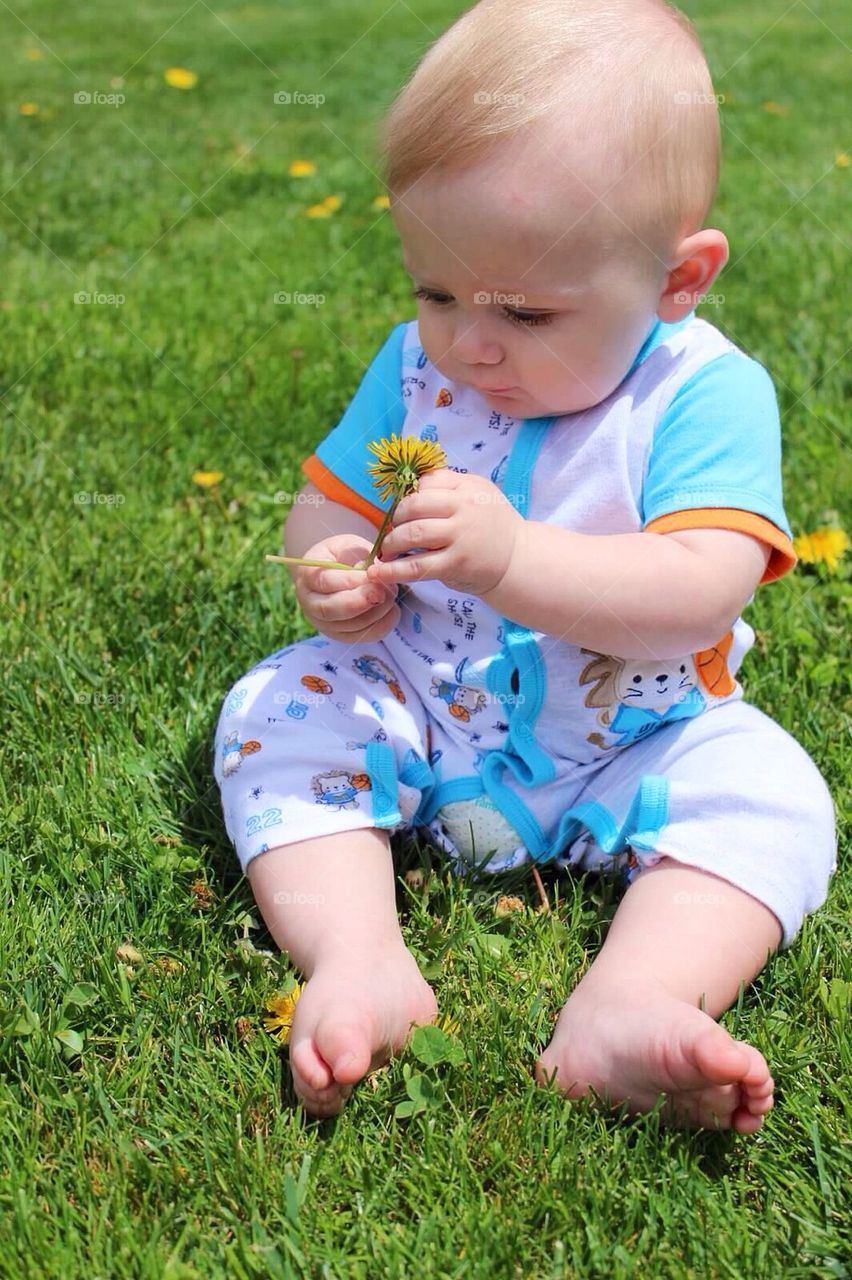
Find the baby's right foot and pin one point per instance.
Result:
(355, 1011)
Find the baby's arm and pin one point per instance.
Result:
(630, 594)
(715, 455)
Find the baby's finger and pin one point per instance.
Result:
(345, 605)
(408, 568)
(354, 626)
(373, 631)
(332, 581)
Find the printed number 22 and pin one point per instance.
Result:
(269, 818)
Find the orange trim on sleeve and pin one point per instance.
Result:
(783, 556)
(337, 491)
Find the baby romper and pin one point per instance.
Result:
(503, 743)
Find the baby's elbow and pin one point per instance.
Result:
(716, 605)
(724, 572)
(711, 629)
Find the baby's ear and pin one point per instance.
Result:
(698, 260)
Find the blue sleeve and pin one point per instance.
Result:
(718, 444)
(375, 411)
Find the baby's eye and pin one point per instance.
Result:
(528, 317)
(426, 295)
(516, 317)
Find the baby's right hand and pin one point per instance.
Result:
(345, 606)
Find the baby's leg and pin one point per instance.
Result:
(329, 902)
(633, 1029)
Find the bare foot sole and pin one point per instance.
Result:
(632, 1050)
(351, 1017)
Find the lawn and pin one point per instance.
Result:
(148, 1127)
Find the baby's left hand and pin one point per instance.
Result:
(467, 525)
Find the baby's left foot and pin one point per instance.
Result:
(632, 1045)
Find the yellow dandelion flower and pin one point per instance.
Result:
(381, 202)
(180, 78)
(207, 479)
(301, 168)
(823, 546)
(401, 463)
(842, 160)
(775, 108)
(279, 1013)
(325, 208)
(28, 109)
(34, 54)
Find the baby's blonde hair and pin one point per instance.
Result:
(629, 71)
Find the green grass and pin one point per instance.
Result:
(169, 1146)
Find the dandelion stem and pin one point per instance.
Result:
(321, 564)
(383, 528)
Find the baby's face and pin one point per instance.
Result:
(540, 300)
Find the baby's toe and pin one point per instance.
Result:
(759, 1093)
(757, 1079)
(345, 1047)
(742, 1121)
(715, 1057)
(323, 1108)
(320, 1102)
(309, 1065)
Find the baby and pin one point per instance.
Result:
(542, 663)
